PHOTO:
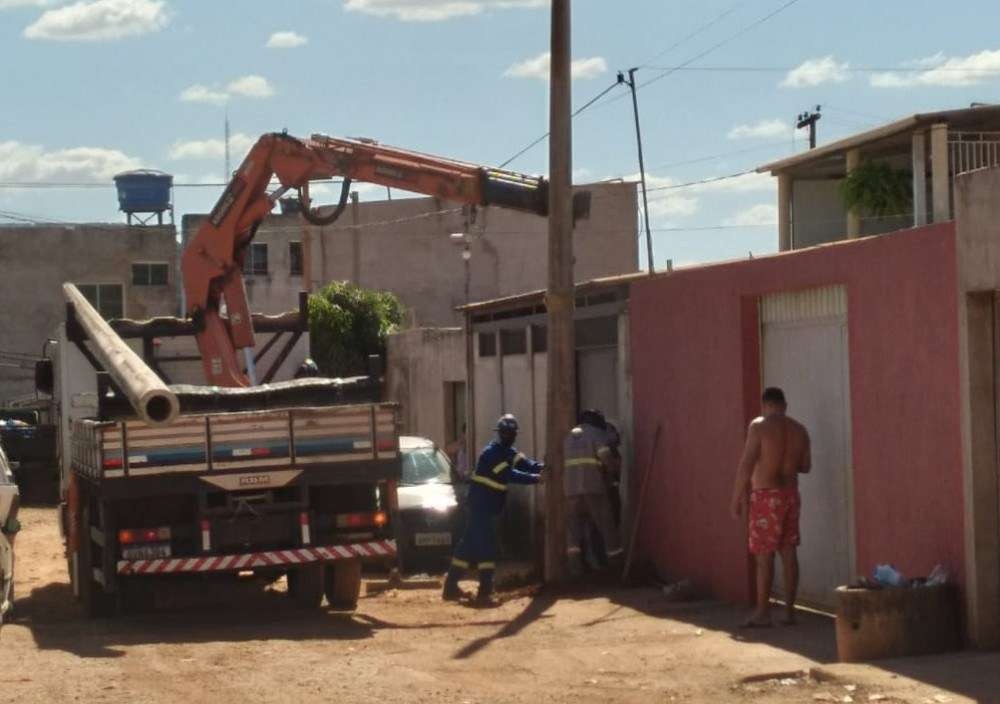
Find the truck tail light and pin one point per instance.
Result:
(361, 520)
(129, 536)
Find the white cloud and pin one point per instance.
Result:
(744, 183)
(761, 215)
(100, 20)
(433, 10)
(239, 144)
(251, 87)
(668, 198)
(203, 94)
(538, 67)
(32, 163)
(246, 86)
(285, 40)
(815, 72)
(944, 71)
(761, 130)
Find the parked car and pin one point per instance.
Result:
(9, 526)
(428, 507)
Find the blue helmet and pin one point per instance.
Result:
(507, 424)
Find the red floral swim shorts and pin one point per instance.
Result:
(774, 519)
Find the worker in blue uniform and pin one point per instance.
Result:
(499, 464)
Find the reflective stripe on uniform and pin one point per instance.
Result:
(517, 459)
(500, 467)
(487, 565)
(581, 461)
(455, 562)
(486, 481)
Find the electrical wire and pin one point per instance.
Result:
(703, 28)
(545, 136)
(596, 99)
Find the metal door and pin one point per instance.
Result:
(805, 353)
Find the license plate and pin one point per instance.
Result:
(432, 539)
(146, 552)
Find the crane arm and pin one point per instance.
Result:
(212, 262)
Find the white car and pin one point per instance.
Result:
(428, 507)
(9, 499)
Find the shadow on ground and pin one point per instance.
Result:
(970, 673)
(198, 613)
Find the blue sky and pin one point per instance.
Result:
(97, 86)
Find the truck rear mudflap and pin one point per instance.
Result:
(375, 550)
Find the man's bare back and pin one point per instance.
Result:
(782, 445)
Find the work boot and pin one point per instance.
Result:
(452, 592)
(486, 600)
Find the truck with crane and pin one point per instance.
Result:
(238, 478)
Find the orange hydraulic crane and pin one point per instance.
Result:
(212, 263)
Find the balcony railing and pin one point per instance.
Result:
(968, 151)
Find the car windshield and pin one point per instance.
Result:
(426, 465)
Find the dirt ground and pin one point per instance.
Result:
(592, 645)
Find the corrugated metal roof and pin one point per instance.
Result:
(538, 297)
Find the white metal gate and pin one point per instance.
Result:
(805, 353)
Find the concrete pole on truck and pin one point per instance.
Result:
(561, 403)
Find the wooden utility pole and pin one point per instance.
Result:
(809, 119)
(561, 404)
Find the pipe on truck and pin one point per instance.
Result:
(152, 400)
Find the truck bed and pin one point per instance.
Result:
(344, 443)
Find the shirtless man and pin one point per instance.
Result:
(776, 452)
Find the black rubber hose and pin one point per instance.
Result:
(318, 221)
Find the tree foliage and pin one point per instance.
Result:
(877, 189)
(348, 323)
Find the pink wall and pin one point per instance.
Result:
(696, 369)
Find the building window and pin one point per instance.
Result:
(108, 299)
(256, 259)
(487, 344)
(150, 273)
(295, 258)
(513, 342)
(597, 332)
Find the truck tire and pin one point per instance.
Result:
(96, 603)
(305, 586)
(343, 584)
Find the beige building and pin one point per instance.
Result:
(124, 271)
(416, 248)
(928, 149)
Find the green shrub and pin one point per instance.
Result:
(348, 323)
(876, 189)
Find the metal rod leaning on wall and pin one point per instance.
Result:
(640, 500)
(149, 396)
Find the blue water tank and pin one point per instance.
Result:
(144, 191)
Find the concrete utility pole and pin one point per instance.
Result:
(561, 403)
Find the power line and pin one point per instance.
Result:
(850, 69)
(703, 28)
(718, 45)
(600, 95)
(546, 135)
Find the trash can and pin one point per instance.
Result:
(895, 622)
